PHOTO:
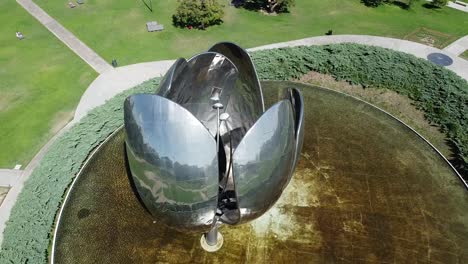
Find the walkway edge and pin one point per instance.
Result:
(76, 45)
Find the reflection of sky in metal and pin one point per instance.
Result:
(216, 63)
(172, 120)
(250, 148)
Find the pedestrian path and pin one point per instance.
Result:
(462, 6)
(8, 177)
(458, 47)
(110, 83)
(76, 45)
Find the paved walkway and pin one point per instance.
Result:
(9, 177)
(458, 47)
(460, 7)
(76, 45)
(110, 83)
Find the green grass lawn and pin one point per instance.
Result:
(116, 29)
(41, 81)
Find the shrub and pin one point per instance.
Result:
(373, 3)
(405, 4)
(439, 3)
(198, 13)
(271, 6)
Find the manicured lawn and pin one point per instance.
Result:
(41, 81)
(116, 29)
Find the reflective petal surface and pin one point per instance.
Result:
(177, 71)
(246, 103)
(173, 161)
(298, 105)
(262, 161)
(193, 84)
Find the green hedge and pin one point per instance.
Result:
(439, 92)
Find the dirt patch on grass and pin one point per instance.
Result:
(60, 120)
(396, 104)
(430, 37)
(8, 99)
(464, 55)
(3, 193)
(4, 102)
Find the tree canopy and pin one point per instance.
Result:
(271, 6)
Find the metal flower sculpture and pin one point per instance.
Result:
(203, 150)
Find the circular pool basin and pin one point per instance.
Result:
(367, 189)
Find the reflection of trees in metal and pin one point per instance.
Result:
(182, 177)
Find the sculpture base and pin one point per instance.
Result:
(212, 248)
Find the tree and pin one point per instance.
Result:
(198, 13)
(372, 3)
(271, 6)
(405, 4)
(439, 3)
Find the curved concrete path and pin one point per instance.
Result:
(113, 81)
(458, 47)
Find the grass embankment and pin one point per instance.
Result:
(117, 29)
(41, 81)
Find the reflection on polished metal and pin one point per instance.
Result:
(203, 151)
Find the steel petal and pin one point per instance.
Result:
(178, 69)
(297, 101)
(262, 162)
(173, 161)
(246, 102)
(203, 76)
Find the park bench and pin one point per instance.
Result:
(154, 26)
